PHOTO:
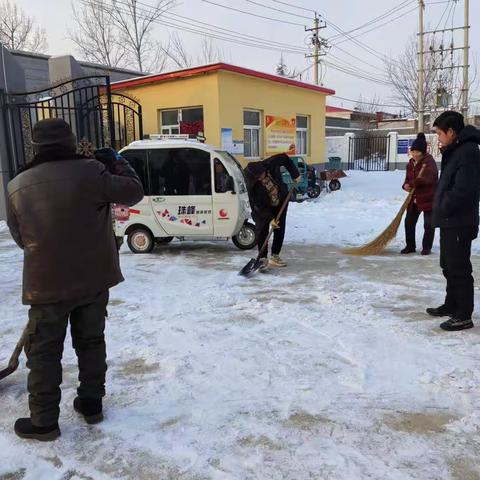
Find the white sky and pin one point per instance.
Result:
(389, 39)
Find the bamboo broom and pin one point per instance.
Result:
(378, 244)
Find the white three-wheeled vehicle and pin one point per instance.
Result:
(192, 192)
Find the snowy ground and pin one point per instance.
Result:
(327, 370)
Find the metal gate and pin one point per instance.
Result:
(98, 116)
(369, 153)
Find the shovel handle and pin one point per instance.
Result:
(13, 362)
(277, 218)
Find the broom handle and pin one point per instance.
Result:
(424, 166)
(279, 214)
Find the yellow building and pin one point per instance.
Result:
(249, 113)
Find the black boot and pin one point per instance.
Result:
(90, 408)
(25, 429)
(454, 324)
(441, 311)
(407, 250)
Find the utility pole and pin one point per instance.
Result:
(421, 68)
(317, 43)
(466, 65)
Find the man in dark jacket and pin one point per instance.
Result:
(422, 200)
(267, 192)
(456, 212)
(59, 214)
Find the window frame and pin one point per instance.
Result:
(253, 128)
(302, 130)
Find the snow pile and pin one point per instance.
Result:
(3, 227)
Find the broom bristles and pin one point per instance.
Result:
(378, 244)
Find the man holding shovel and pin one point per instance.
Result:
(456, 213)
(268, 192)
(59, 214)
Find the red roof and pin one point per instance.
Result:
(190, 72)
(337, 109)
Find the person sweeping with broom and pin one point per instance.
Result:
(422, 198)
(267, 193)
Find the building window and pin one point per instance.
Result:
(251, 133)
(301, 147)
(188, 120)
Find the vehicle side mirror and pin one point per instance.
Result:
(231, 185)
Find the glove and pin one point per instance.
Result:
(108, 156)
(297, 180)
(274, 224)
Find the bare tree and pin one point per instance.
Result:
(95, 35)
(178, 55)
(442, 86)
(135, 23)
(365, 112)
(283, 70)
(18, 31)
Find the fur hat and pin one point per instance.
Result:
(53, 132)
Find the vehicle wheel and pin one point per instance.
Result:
(246, 238)
(314, 192)
(335, 185)
(140, 240)
(163, 240)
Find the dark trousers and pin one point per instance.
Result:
(263, 228)
(411, 220)
(455, 250)
(47, 327)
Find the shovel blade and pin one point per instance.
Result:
(250, 267)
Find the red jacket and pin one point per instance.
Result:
(425, 185)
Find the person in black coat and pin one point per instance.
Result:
(456, 213)
(267, 192)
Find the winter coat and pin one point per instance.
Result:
(424, 185)
(455, 204)
(260, 203)
(59, 213)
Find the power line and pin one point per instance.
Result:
(294, 6)
(253, 14)
(277, 9)
(392, 11)
(204, 32)
(369, 103)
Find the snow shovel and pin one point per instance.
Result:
(254, 264)
(13, 362)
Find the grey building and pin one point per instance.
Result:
(37, 72)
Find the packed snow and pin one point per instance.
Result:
(329, 369)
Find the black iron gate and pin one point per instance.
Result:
(98, 116)
(369, 153)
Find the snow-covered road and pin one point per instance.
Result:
(326, 370)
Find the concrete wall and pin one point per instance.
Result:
(240, 92)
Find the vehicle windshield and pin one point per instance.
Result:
(235, 167)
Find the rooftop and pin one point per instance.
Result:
(216, 67)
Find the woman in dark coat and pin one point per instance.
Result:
(422, 200)
(267, 192)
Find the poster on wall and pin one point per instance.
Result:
(235, 147)
(227, 139)
(280, 135)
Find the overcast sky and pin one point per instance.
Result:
(388, 39)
